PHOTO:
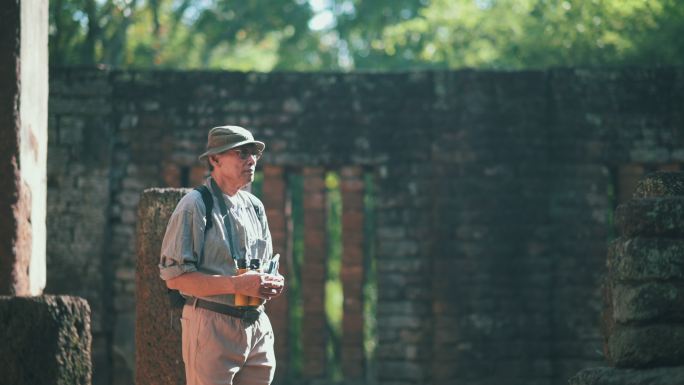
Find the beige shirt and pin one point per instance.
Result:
(186, 247)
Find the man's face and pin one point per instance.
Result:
(237, 165)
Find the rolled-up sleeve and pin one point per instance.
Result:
(183, 240)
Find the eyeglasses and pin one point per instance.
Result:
(245, 152)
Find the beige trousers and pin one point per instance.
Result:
(220, 349)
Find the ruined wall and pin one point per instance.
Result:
(493, 257)
(642, 316)
(530, 167)
(80, 134)
(493, 195)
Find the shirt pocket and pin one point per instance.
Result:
(217, 258)
(259, 249)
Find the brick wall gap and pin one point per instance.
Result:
(370, 280)
(334, 295)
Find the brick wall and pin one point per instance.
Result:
(492, 198)
(80, 132)
(352, 274)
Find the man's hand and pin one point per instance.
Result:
(260, 285)
(274, 286)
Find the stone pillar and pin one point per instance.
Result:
(279, 220)
(158, 356)
(352, 189)
(644, 291)
(313, 272)
(23, 145)
(45, 339)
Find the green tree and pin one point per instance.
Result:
(366, 34)
(517, 34)
(254, 34)
(86, 32)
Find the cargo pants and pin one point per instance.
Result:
(219, 349)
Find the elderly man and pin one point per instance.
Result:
(223, 343)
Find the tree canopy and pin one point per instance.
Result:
(314, 35)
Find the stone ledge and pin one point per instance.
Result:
(651, 217)
(647, 346)
(660, 184)
(45, 340)
(646, 259)
(613, 376)
(648, 302)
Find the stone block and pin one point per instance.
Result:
(403, 322)
(401, 370)
(651, 217)
(646, 346)
(660, 184)
(648, 302)
(158, 358)
(45, 340)
(70, 130)
(643, 259)
(613, 376)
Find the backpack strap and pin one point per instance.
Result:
(176, 299)
(208, 204)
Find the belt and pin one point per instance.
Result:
(249, 314)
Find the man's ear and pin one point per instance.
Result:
(214, 160)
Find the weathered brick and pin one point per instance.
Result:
(646, 346)
(660, 184)
(646, 259)
(313, 273)
(614, 376)
(648, 302)
(662, 216)
(274, 199)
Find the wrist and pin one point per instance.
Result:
(230, 285)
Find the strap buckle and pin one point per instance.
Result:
(251, 315)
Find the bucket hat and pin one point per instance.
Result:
(223, 138)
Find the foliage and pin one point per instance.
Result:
(535, 34)
(363, 34)
(246, 35)
(334, 292)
